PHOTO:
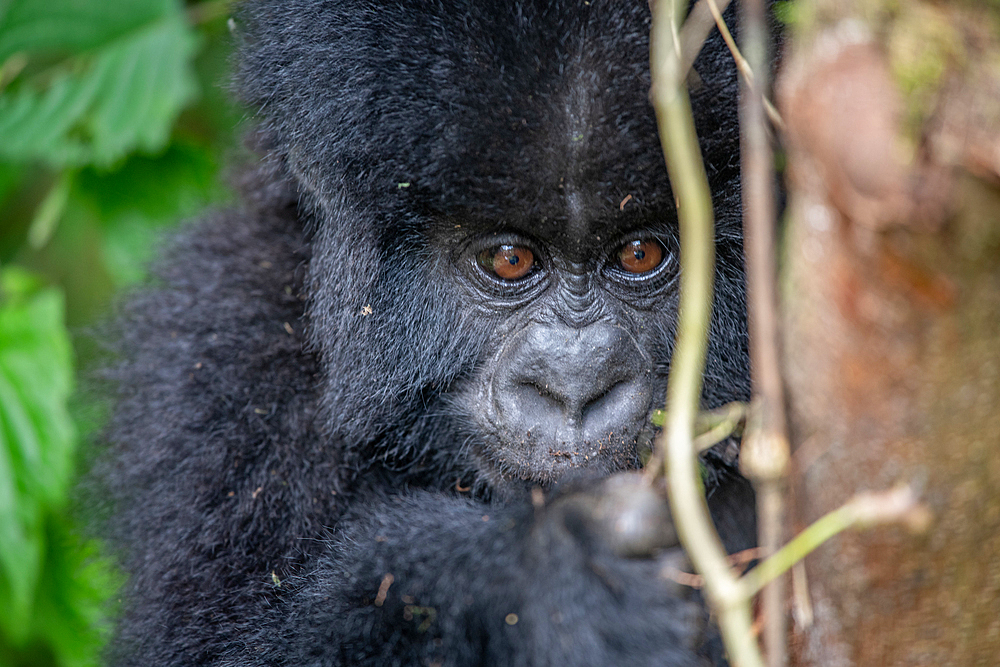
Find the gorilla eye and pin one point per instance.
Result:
(507, 262)
(640, 256)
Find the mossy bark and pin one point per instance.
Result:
(891, 295)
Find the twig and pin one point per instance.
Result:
(770, 515)
(716, 425)
(802, 610)
(691, 580)
(764, 456)
(710, 427)
(742, 64)
(688, 579)
(694, 209)
(899, 505)
(697, 26)
(743, 557)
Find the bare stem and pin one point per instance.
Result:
(697, 26)
(765, 451)
(714, 426)
(899, 505)
(694, 208)
(744, 66)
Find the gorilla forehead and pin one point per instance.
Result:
(461, 108)
(536, 118)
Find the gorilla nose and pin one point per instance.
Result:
(566, 385)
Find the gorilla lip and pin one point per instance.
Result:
(544, 466)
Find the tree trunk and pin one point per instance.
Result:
(891, 299)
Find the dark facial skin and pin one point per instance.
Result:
(566, 380)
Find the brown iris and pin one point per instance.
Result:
(640, 256)
(509, 262)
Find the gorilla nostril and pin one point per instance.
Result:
(590, 406)
(601, 400)
(621, 403)
(538, 403)
(532, 391)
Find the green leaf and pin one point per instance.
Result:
(134, 204)
(37, 436)
(10, 176)
(71, 604)
(97, 106)
(178, 183)
(147, 80)
(70, 25)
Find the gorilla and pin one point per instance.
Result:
(383, 411)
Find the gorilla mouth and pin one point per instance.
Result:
(506, 462)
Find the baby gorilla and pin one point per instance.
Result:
(381, 413)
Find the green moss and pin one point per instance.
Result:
(787, 11)
(923, 46)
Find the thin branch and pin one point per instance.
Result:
(765, 452)
(697, 26)
(744, 67)
(741, 64)
(899, 505)
(802, 610)
(694, 209)
(716, 425)
(710, 427)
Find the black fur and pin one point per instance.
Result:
(293, 425)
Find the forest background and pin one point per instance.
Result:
(115, 125)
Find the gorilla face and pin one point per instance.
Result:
(494, 230)
(575, 315)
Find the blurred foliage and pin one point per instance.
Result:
(114, 121)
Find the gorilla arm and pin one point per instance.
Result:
(426, 578)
